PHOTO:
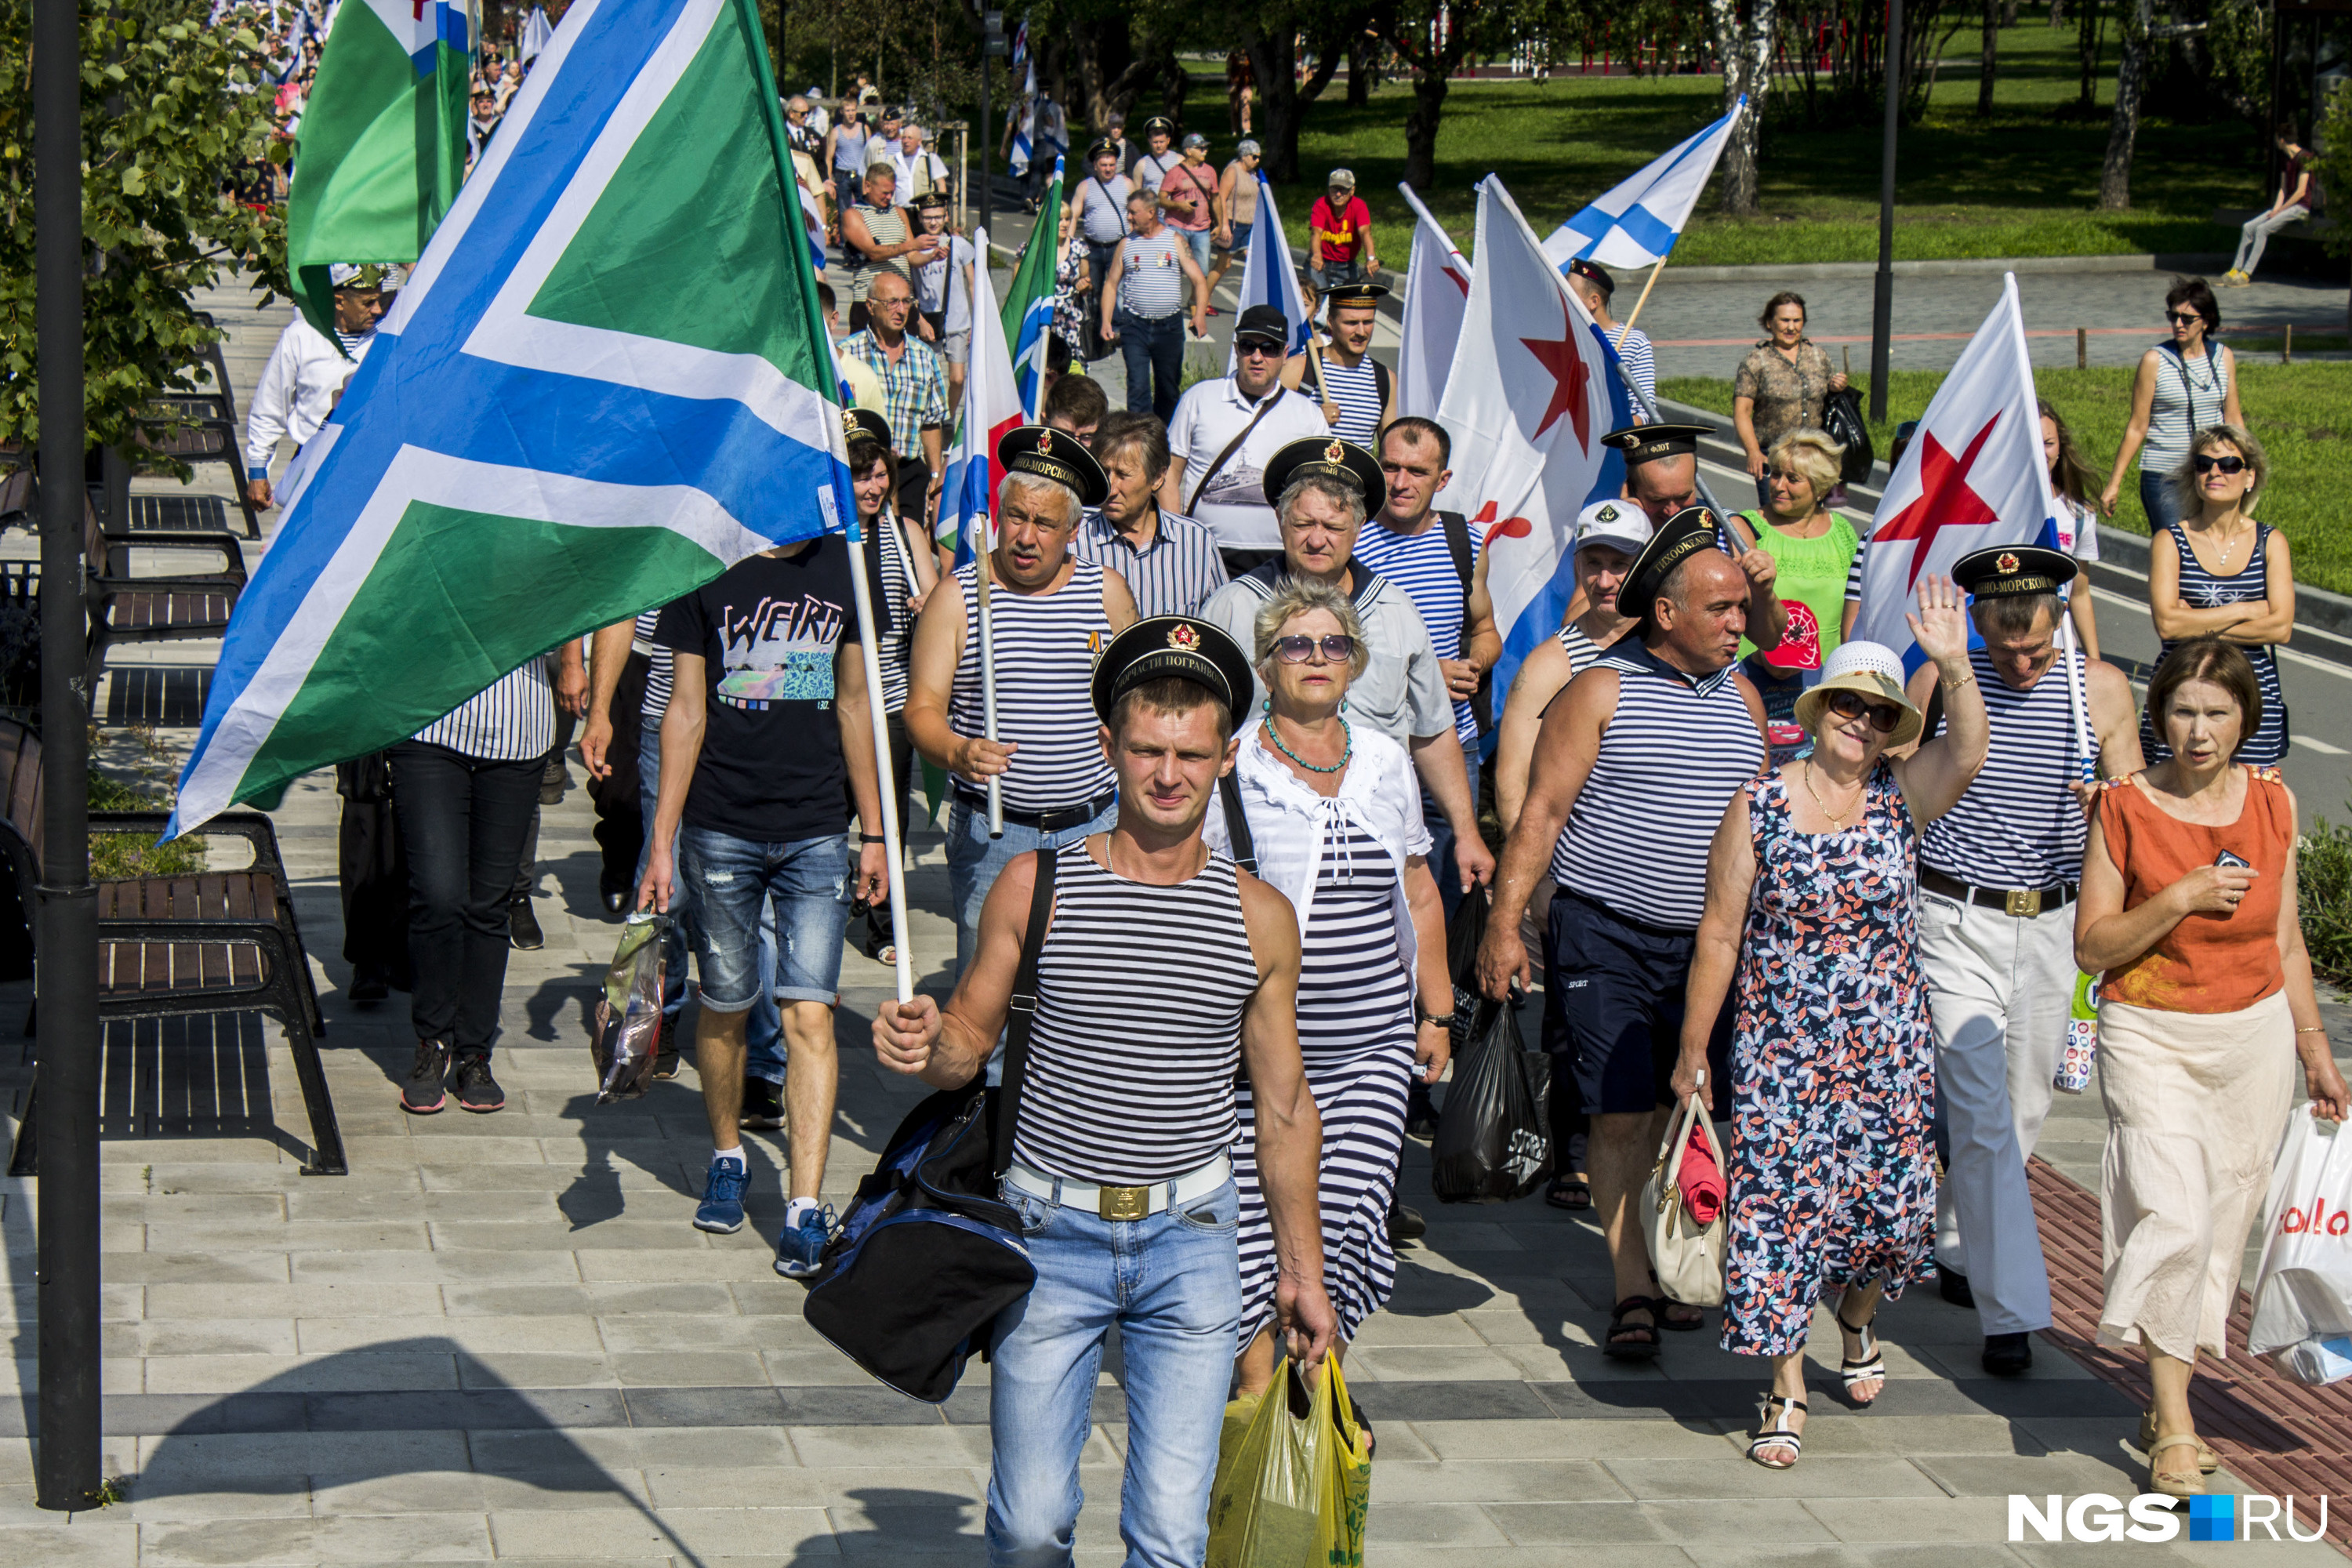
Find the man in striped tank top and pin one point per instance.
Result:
(1124, 1112)
(1049, 616)
(1632, 769)
(1357, 391)
(1143, 305)
(1997, 876)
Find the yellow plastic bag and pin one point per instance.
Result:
(1292, 1477)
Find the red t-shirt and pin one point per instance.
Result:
(1344, 229)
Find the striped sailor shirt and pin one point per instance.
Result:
(1170, 576)
(1422, 565)
(511, 721)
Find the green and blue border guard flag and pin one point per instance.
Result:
(608, 380)
(382, 148)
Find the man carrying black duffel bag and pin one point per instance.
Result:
(1163, 970)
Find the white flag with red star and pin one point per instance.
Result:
(1528, 399)
(1972, 477)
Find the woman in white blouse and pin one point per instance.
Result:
(1334, 824)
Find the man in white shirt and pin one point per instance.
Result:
(1222, 434)
(921, 171)
(305, 373)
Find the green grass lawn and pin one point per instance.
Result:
(2302, 413)
(2023, 183)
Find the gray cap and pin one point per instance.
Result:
(1344, 178)
(1194, 139)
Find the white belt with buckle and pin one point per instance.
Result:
(1122, 1202)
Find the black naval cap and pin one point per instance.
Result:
(1326, 458)
(1054, 455)
(1594, 273)
(1647, 443)
(1159, 122)
(857, 422)
(2010, 568)
(1680, 537)
(1354, 293)
(1102, 144)
(1184, 647)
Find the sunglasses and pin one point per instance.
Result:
(1250, 348)
(1337, 648)
(1883, 716)
(2205, 463)
(2183, 318)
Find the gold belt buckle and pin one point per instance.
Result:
(1123, 1202)
(2022, 903)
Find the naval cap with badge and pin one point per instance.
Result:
(1055, 455)
(1648, 443)
(2010, 569)
(1326, 458)
(1180, 647)
(1680, 537)
(857, 422)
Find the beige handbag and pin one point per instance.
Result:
(1687, 1256)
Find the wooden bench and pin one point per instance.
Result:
(172, 947)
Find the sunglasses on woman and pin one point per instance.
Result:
(2205, 463)
(1337, 648)
(1883, 716)
(2183, 318)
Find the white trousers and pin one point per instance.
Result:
(1999, 989)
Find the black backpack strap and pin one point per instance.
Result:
(1381, 383)
(1457, 544)
(1023, 1009)
(1237, 827)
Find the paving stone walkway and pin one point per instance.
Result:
(499, 1337)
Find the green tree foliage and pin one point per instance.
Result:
(171, 112)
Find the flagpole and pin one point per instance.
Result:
(988, 671)
(1656, 268)
(1650, 414)
(2075, 684)
(869, 652)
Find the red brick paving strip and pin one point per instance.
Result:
(2272, 1433)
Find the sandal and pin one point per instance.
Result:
(2174, 1486)
(1631, 1348)
(1870, 1365)
(1692, 1324)
(2208, 1461)
(1776, 1433)
(1573, 1192)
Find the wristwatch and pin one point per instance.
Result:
(1443, 1020)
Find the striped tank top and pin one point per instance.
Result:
(1357, 394)
(1422, 565)
(2190, 394)
(1045, 650)
(2018, 826)
(1151, 279)
(888, 226)
(894, 628)
(1581, 651)
(658, 667)
(1674, 755)
(2202, 590)
(1126, 1084)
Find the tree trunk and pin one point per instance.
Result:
(1360, 69)
(1429, 88)
(2114, 175)
(2089, 29)
(1175, 83)
(1274, 58)
(1988, 57)
(1744, 43)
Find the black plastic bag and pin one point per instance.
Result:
(1463, 933)
(1841, 418)
(1493, 1136)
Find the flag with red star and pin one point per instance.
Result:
(1528, 398)
(1972, 477)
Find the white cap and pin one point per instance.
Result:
(1617, 522)
(1862, 658)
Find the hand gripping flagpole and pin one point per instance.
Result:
(869, 652)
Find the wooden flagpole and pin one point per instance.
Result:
(862, 592)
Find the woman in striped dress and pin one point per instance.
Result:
(907, 575)
(1335, 827)
(2226, 575)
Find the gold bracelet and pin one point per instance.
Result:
(1967, 680)
(2315, 1030)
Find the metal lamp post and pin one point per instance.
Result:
(1882, 305)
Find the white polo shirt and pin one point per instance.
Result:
(1208, 416)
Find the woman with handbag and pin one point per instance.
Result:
(2188, 911)
(1335, 825)
(2182, 385)
(1833, 1179)
(1782, 386)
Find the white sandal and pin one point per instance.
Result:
(1776, 1433)
(1871, 1365)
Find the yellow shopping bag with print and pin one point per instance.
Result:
(1294, 1477)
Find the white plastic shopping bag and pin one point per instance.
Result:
(2303, 1294)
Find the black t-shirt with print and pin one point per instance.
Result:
(767, 629)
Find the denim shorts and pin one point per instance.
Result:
(809, 880)
(1240, 247)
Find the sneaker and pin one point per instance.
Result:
(420, 1093)
(722, 1197)
(764, 1104)
(802, 1246)
(523, 926)
(1404, 1225)
(666, 1047)
(476, 1089)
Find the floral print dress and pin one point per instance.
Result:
(1832, 1067)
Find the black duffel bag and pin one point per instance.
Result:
(1841, 419)
(1494, 1135)
(929, 1252)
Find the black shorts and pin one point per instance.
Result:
(1613, 1008)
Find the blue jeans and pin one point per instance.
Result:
(1198, 239)
(975, 859)
(1172, 1285)
(735, 879)
(1441, 837)
(2156, 498)
(763, 1042)
(1153, 351)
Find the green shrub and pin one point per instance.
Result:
(2324, 893)
(119, 857)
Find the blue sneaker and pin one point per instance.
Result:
(801, 1244)
(722, 1197)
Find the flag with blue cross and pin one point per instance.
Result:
(608, 380)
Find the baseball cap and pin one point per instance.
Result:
(1264, 321)
(1616, 522)
(1344, 178)
(1194, 139)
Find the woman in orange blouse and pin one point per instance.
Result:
(2188, 907)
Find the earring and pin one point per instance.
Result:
(1267, 706)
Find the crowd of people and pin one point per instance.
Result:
(1242, 658)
